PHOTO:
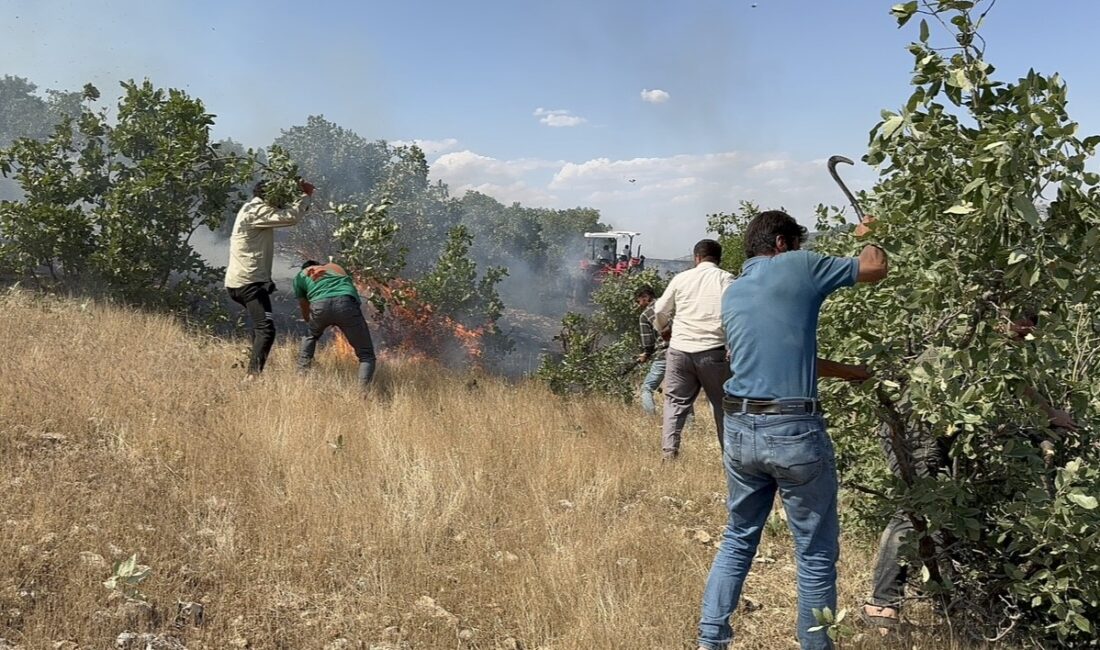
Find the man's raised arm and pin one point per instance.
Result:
(267, 216)
(873, 264)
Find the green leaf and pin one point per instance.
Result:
(1016, 256)
(904, 11)
(959, 79)
(1026, 209)
(923, 31)
(1082, 623)
(1086, 502)
(966, 207)
(890, 126)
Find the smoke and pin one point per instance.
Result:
(213, 247)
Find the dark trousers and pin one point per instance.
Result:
(929, 457)
(346, 313)
(256, 299)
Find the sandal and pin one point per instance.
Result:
(881, 622)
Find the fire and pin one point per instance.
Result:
(413, 329)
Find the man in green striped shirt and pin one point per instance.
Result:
(328, 296)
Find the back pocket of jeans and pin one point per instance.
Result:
(798, 458)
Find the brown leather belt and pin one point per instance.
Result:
(738, 405)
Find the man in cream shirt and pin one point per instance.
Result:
(696, 354)
(251, 253)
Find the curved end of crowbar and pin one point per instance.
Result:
(833, 160)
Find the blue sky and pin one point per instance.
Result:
(543, 102)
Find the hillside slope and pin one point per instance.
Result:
(445, 511)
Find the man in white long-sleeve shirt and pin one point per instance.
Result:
(251, 254)
(696, 355)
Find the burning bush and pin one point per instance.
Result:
(450, 313)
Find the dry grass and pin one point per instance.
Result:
(520, 514)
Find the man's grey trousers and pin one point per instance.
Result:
(685, 375)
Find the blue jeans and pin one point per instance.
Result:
(791, 453)
(651, 383)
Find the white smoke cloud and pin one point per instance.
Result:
(558, 117)
(655, 96)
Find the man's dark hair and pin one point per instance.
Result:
(765, 227)
(708, 249)
(308, 263)
(644, 290)
(258, 189)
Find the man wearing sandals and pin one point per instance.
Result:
(929, 456)
(775, 435)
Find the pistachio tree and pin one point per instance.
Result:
(111, 204)
(730, 228)
(989, 213)
(598, 349)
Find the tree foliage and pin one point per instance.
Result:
(987, 211)
(730, 228)
(538, 246)
(455, 287)
(598, 350)
(25, 114)
(113, 205)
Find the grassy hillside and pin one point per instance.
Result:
(445, 511)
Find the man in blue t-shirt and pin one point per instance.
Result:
(774, 430)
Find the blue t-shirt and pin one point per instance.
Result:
(770, 317)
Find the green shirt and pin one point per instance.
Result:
(323, 282)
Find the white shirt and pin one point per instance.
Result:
(252, 245)
(694, 299)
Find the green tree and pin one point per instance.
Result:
(25, 114)
(455, 289)
(987, 211)
(345, 166)
(113, 206)
(598, 350)
(730, 228)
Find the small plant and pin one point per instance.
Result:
(833, 624)
(128, 574)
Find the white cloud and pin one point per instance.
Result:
(655, 96)
(666, 198)
(504, 180)
(518, 191)
(463, 167)
(558, 117)
(429, 147)
(599, 172)
(770, 166)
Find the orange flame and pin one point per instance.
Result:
(412, 328)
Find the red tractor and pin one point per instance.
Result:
(612, 253)
(609, 253)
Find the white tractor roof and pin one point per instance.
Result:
(611, 234)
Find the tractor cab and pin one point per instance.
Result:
(612, 253)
